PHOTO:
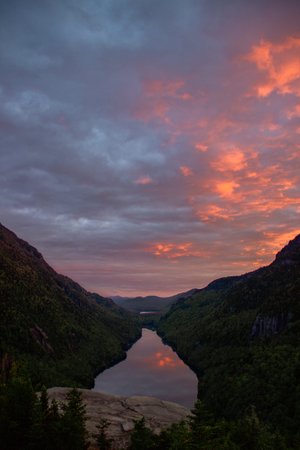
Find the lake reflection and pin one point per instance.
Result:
(151, 368)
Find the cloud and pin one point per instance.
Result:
(280, 63)
(174, 250)
(150, 147)
(186, 171)
(158, 97)
(226, 188)
(143, 180)
(231, 160)
(201, 147)
(211, 213)
(30, 106)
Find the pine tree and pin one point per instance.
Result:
(73, 422)
(38, 433)
(176, 437)
(46, 431)
(103, 442)
(54, 427)
(207, 433)
(252, 434)
(142, 437)
(17, 400)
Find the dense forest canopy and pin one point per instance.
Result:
(49, 323)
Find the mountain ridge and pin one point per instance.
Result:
(241, 335)
(290, 253)
(48, 321)
(150, 303)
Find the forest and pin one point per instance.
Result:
(241, 335)
(29, 421)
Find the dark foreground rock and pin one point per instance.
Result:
(122, 412)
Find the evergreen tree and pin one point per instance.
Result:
(252, 434)
(38, 432)
(73, 420)
(176, 437)
(208, 434)
(55, 433)
(103, 442)
(17, 400)
(46, 431)
(142, 437)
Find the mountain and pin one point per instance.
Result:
(150, 303)
(241, 335)
(63, 334)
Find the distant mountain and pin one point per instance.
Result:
(150, 303)
(63, 334)
(241, 335)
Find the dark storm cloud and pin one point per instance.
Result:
(131, 136)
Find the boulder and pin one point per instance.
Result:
(122, 412)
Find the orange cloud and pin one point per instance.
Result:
(226, 189)
(295, 112)
(233, 160)
(167, 89)
(186, 171)
(172, 251)
(143, 180)
(281, 65)
(201, 147)
(245, 154)
(276, 240)
(158, 97)
(264, 249)
(211, 213)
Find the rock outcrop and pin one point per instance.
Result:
(290, 254)
(122, 412)
(266, 326)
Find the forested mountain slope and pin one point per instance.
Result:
(242, 337)
(59, 331)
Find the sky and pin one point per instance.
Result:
(150, 146)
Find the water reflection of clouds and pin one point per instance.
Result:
(152, 353)
(155, 353)
(151, 368)
(167, 360)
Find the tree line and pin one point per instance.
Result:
(30, 421)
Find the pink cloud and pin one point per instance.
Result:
(231, 160)
(144, 180)
(280, 64)
(186, 171)
(226, 189)
(159, 97)
(201, 147)
(172, 250)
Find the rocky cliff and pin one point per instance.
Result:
(122, 412)
(290, 254)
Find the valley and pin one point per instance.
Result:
(240, 336)
(150, 369)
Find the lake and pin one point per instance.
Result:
(153, 369)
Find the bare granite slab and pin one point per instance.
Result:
(122, 412)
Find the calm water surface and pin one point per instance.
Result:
(151, 368)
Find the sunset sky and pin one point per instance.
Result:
(150, 146)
